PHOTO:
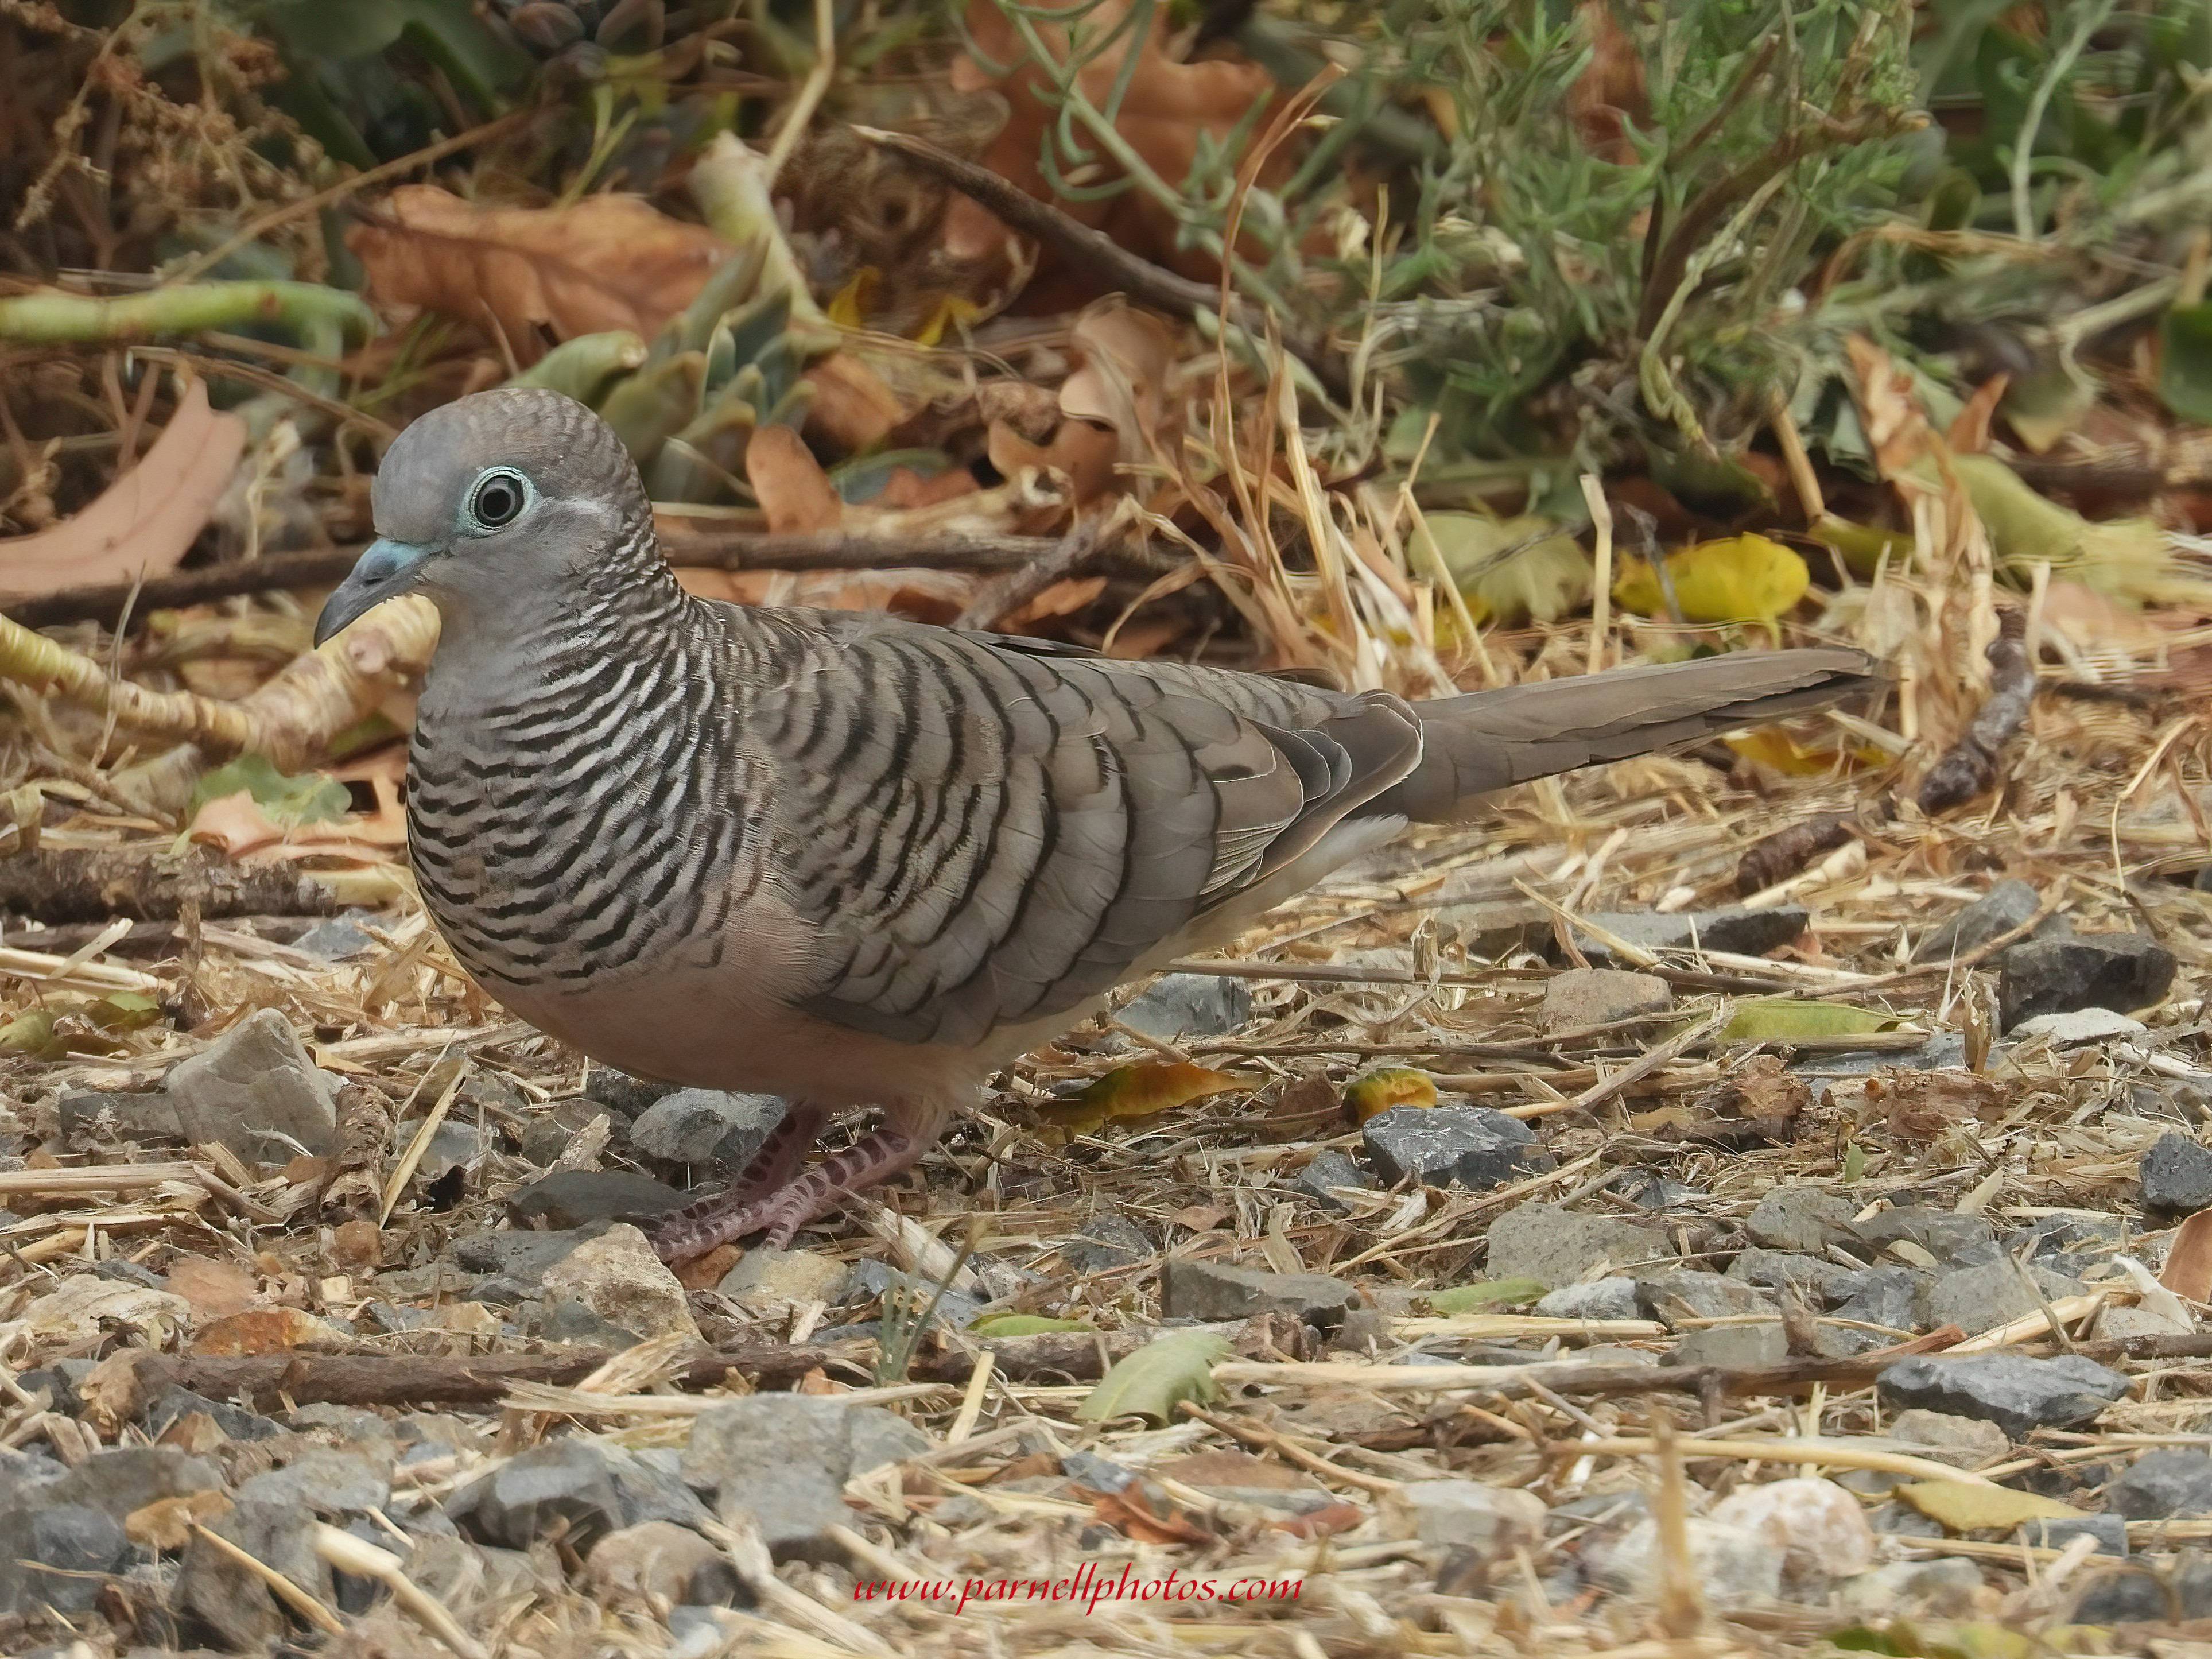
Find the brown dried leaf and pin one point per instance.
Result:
(2188, 1270)
(854, 408)
(794, 492)
(213, 1288)
(1128, 355)
(937, 596)
(605, 262)
(264, 1330)
(167, 1522)
(1084, 452)
(147, 520)
(1924, 1106)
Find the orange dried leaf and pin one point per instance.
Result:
(1387, 1086)
(2188, 1270)
(147, 520)
(605, 262)
(794, 491)
(263, 1330)
(214, 1288)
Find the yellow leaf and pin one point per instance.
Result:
(1741, 579)
(1507, 570)
(1779, 1019)
(1959, 1506)
(848, 305)
(947, 315)
(1387, 1086)
(1139, 1091)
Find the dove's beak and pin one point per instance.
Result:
(385, 570)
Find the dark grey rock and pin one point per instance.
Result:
(783, 1460)
(1810, 1276)
(130, 1477)
(706, 1126)
(2009, 904)
(233, 1602)
(1736, 1347)
(620, 1093)
(335, 938)
(1328, 1170)
(1680, 1293)
(254, 1091)
(173, 1404)
(573, 1489)
(564, 1319)
(1556, 1246)
(2119, 971)
(1649, 1190)
(551, 1129)
(1981, 1298)
(2015, 1393)
(2131, 1594)
(1575, 998)
(1098, 1473)
(56, 1554)
(127, 1116)
(2111, 1532)
(1178, 1005)
(1613, 1297)
(573, 1198)
(1734, 929)
(1105, 1241)
(1954, 1240)
(1885, 1296)
(1434, 1146)
(2176, 1173)
(1799, 1218)
(1901, 1520)
(2161, 1484)
(331, 1483)
(1192, 1288)
(453, 1146)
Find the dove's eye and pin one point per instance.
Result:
(498, 499)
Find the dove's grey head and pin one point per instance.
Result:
(497, 504)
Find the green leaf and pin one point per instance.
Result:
(1780, 1019)
(1159, 1376)
(1497, 1293)
(2184, 361)
(311, 799)
(1023, 1325)
(1854, 1162)
(1508, 569)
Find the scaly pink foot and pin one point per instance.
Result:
(792, 1203)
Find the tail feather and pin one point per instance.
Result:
(1486, 740)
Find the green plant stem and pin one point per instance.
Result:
(304, 308)
(2023, 154)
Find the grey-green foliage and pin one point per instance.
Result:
(1559, 289)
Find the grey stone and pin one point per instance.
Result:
(551, 1129)
(2009, 904)
(1105, 1241)
(130, 1477)
(1978, 1300)
(1969, 1441)
(1733, 1568)
(574, 1198)
(1649, 1191)
(783, 1459)
(1193, 1289)
(1613, 1297)
(336, 938)
(56, 1554)
(2176, 1173)
(332, 1483)
(706, 1126)
(1577, 998)
(1556, 1246)
(1953, 1240)
(174, 1403)
(1779, 1270)
(1434, 1146)
(1330, 1168)
(1733, 929)
(1681, 1293)
(2119, 971)
(128, 1116)
(2015, 1393)
(1799, 1218)
(1493, 1521)
(1884, 1295)
(2078, 1026)
(2137, 1596)
(956, 1309)
(1738, 1347)
(573, 1489)
(234, 1602)
(1098, 1473)
(564, 1319)
(619, 1277)
(2162, 1485)
(453, 1146)
(519, 1253)
(764, 1277)
(622, 1094)
(1947, 1587)
(1901, 1520)
(2111, 1532)
(254, 1091)
(1178, 1005)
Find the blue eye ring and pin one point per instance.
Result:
(498, 499)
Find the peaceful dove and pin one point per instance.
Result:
(855, 861)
